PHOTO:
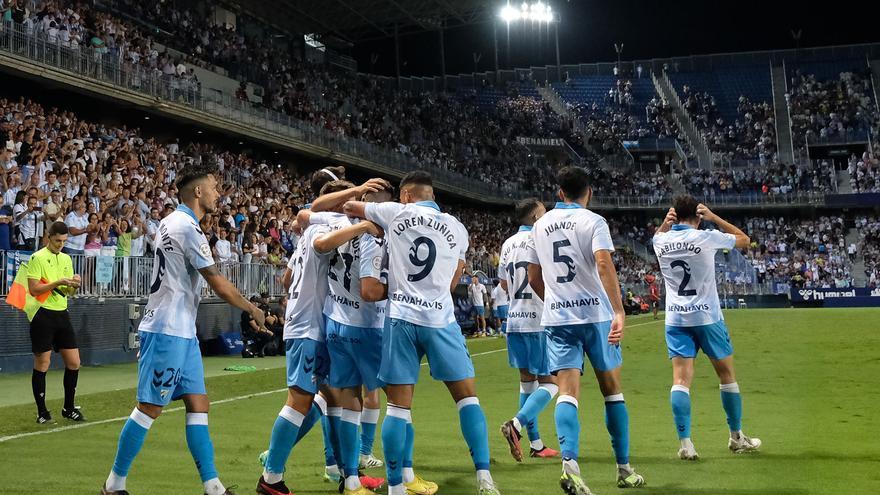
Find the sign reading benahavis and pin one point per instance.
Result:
(870, 296)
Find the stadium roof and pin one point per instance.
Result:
(362, 20)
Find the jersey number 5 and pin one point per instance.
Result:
(682, 287)
(160, 272)
(558, 257)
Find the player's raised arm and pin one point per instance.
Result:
(670, 220)
(355, 209)
(332, 201)
(742, 240)
(229, 293)
(332, 240)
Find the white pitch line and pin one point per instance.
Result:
(170, 410)
(213, 403)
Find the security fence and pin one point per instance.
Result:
(131, 277)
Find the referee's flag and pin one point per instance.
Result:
(18, 293)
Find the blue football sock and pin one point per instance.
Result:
(537, 401)
(309, 421)
(680, 398)
(199, 442)
(617, 422)
(408, 445)
(329, 454)
(334, 418)
(568, 427)
(284, 436)
(369, 419)
(732, 402)
(131, 439)
(394, 442)
(348, 440)
(475, 431)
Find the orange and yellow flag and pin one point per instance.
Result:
(19, 291)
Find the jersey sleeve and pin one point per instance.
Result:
(314, 232)
(35, 268)
(720, 240)
(462, 249)
(530, 253)
(321, 218)
(602, 237)
(196, 249)
(502, 264)
(382, 213)
(371, 257)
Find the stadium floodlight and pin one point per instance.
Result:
(537, 12)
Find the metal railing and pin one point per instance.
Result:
(131, 277)
(105, 66)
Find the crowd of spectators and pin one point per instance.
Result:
(828, 110)
(74, 26)
(869, 247)
(864, 172)
(772, 179)
(751, 137)
(809, 253)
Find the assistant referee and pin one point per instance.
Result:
(51, 271)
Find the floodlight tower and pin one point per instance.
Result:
(536, 12)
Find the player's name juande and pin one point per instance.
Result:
(416, 301)
(406, 223)
(562, 225)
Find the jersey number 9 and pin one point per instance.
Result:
(426, 263)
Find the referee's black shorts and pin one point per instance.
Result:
(51, 330)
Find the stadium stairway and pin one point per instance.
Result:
(843, 184)
(875, 80)
(695, 140)
(858, 266)
(783, 121)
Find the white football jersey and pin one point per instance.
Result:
(304, 318)
(687, 261)
(499, 297)
(565, 240)
(424, 248)
(374, 264)
(525, 308)
(176, 287)
(344, 303)
(477, 294)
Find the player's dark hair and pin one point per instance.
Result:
(58, 228)
(574, 181)
(685, 207)
(417, 178)
(335, 186)
(193, 173)
(525, 208)
(321, 177)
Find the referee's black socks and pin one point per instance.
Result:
(70, 378)
(38, 384)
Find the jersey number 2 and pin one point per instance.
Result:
(682, 287)
(511, 271)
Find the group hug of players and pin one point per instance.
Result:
(370, 296)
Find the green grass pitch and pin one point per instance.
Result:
(810, 391)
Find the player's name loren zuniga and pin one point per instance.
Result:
(402, 224)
